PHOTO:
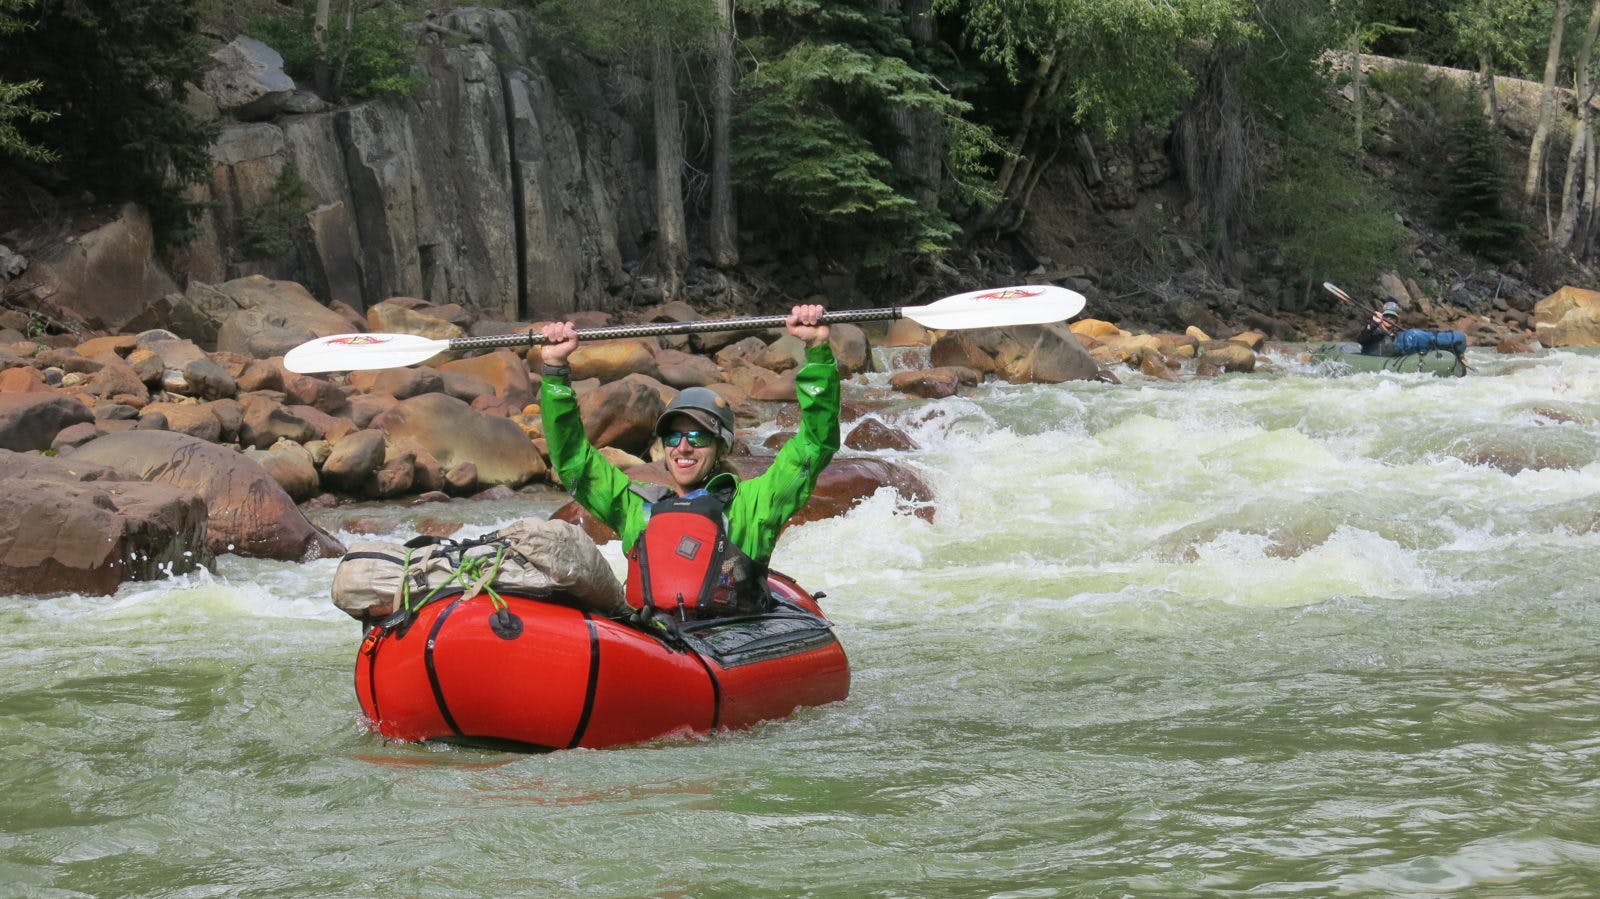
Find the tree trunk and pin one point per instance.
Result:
(724, 214)
(322, 68)
(1591, 189)
(671, 244)
(919, 153)
(1491, 103)
(337, 76)
(1213, 139)
(1358, 82)
(1581, 135)
(1045, 82)
(1031, 181)
(1547, 100)
(1567, 223)
(1019, 138)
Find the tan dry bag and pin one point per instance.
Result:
(531, 556)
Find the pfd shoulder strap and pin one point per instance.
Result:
(650, 493)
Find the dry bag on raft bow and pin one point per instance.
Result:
(531, 556)
(1419, 340)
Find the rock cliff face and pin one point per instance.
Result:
(493, 191)
(482, 190)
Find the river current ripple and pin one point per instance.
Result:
(1279, 635)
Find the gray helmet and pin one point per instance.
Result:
(705, 406)
(1391, 308)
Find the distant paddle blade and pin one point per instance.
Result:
(999, 307)
(361, 352)
(1330, 288)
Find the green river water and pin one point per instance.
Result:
(1267, 635)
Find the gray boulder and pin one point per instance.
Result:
(248, 81)
(32, 419)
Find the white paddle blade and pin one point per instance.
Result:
(999, 307)
(361, 352)
(1330, 288)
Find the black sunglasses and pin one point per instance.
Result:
(697, 438)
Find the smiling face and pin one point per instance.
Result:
(689, 465)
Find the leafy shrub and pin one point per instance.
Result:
(1424, 92)
(375, 58)
(623, 30)
(269, 230)
(817, 139)
(13, 109)
(1325, 216)
(1428, 105)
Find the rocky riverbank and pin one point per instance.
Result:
(139, 455)
(160, 448)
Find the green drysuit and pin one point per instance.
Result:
(761, 506)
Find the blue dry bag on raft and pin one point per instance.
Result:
(1418, 340)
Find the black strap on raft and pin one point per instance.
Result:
(592, 687)
(716, 691)
(433, 674)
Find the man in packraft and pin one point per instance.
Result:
(699, 547)
(1377, 335)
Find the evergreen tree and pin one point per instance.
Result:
(116, 71)
(816, 138)
(14, 107)
(1473, 205)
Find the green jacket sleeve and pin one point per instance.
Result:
(594, 482)
(764, 504)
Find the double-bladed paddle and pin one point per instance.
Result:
(993, 308)
(1330, 287)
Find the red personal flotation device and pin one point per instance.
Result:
(685, 565)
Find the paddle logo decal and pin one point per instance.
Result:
(356, 340)
(1010, 293)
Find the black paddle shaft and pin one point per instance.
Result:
(751, 323)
